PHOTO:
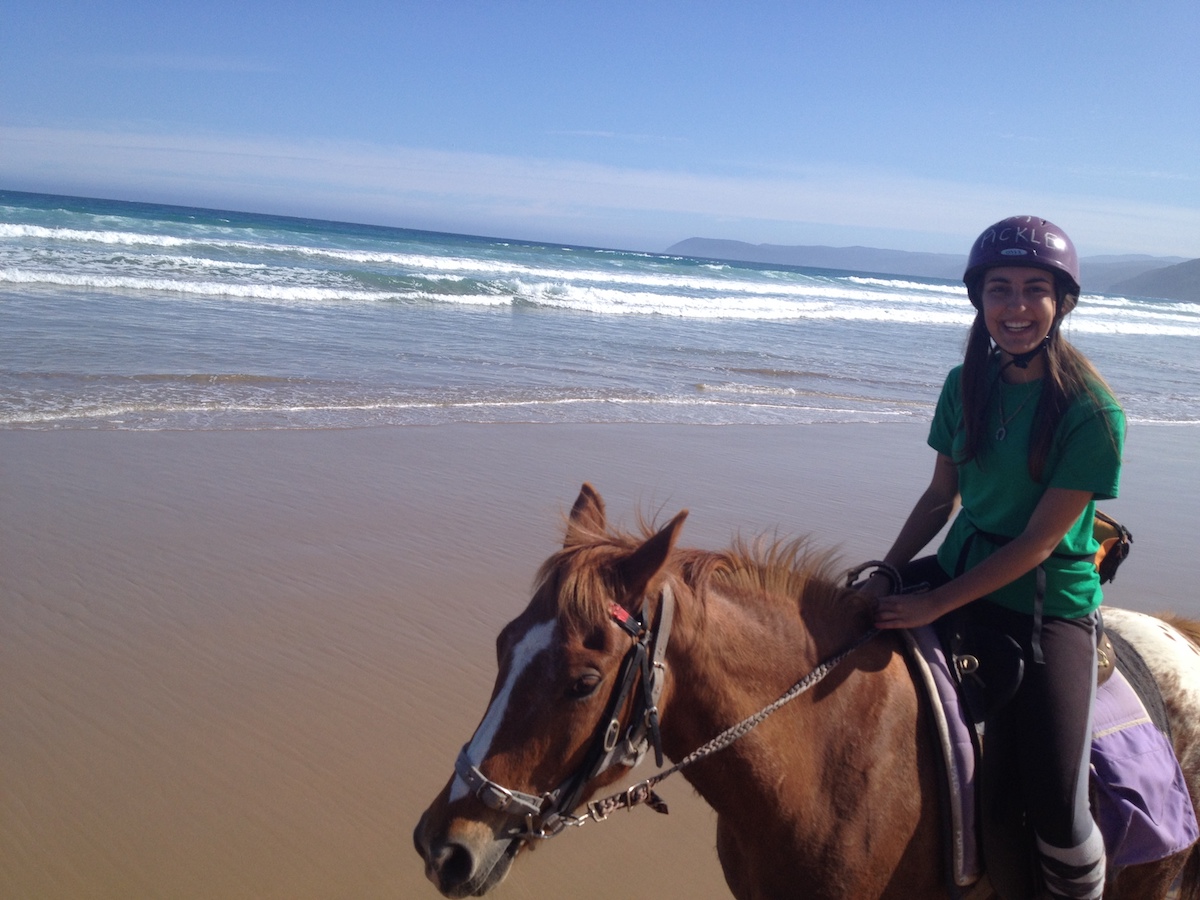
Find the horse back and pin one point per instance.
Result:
(1170, 648)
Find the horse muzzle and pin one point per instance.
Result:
(464, 858)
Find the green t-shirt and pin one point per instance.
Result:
(999, 496)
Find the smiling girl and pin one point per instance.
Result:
(1028, 436)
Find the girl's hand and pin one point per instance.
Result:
(908, 610)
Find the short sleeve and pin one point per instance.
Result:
(1089, 448)
(947, 416)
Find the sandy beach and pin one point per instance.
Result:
(240, 664)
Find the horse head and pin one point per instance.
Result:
(573, 707)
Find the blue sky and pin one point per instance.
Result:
(624, 124)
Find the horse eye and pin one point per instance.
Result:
(584, 685)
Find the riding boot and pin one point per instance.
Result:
(1074, 873)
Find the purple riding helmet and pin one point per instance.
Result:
(1025, 241)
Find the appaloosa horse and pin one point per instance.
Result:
(833, 796)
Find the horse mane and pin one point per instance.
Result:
(776, 567)
(577, 582)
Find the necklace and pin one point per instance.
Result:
(1002, 431)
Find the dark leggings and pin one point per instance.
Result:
(1049, 721)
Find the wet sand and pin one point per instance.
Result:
(240, 664)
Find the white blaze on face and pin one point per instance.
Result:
(536, 640)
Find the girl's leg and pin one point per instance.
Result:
(1053, 711)
(1057, 760)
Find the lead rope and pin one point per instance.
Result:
(643, 791)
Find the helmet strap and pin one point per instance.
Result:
(1022, 360)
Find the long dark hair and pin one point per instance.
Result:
(1069, 374)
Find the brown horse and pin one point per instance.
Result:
(833, 796)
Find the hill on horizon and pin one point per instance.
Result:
(1178, 282)
(1101, 274)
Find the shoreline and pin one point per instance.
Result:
(240, 664)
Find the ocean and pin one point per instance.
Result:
(133, 316)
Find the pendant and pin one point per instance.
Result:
(1000, 433)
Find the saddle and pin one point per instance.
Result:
(986, 688)
(984, 819)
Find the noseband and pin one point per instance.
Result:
(548, 814)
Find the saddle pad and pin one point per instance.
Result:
(956, 747)
(1143, 814)
(1141, 800)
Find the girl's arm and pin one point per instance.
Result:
(1054, 515)
(930, 514)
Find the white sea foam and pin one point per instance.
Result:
(804, 303)
(202, 262)
(691, 298)
(435, 266)
(1146, 326)
(8, 230)
(271, 292)
(899, 284)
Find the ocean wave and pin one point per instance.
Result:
(218, 415)
(691, 298)
(807, 305)
(796, 285)
(616, 295)
(434, 266)
(1158, 421)
(742, 390)
(189, 319)
(128, 238)
(134, 239)
(204, 262)
(900, 284)
(1135, 327)
(251, 291)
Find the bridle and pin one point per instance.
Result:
(548, 814)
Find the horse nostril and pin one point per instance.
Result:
(452, 862)
(448, 864)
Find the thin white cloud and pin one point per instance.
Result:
(561, 199)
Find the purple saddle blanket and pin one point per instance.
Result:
(1141, 801)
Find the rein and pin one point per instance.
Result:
(643, 791)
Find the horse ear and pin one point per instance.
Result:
(587, 516)
(638, 570)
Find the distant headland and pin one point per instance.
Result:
(1169, 277)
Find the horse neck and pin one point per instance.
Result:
(800, 799)
(734, 652)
